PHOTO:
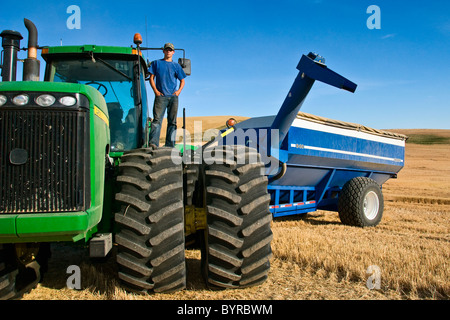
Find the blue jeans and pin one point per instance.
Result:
(159, 107)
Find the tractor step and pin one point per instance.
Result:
(100, 245)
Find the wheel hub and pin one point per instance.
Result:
(371, 205)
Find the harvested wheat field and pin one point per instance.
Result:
(315, 256)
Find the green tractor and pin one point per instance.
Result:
(76, 166)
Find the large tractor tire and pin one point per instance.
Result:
(237, 247)
(151, 221)
(8, 273)
(361, 203)
(21, 266)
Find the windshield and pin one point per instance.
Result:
(113, 79)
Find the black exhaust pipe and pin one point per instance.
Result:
(11, 44)
(31, 66)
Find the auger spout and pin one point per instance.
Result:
(311, 67)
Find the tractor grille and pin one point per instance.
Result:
(44, 160)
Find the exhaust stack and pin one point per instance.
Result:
(31, 66)
(11, 44)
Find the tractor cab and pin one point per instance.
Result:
(118, 74)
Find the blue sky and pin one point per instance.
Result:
(244, 53)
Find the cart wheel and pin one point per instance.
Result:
(361, 203)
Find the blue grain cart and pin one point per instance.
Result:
(317, 163)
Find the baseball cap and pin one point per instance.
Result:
(169, 45)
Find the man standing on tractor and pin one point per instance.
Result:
(164, 74)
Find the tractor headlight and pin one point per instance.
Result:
(20, 100)
(68, 101)
(2, 100)
(45, 100)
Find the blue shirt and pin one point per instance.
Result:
(166, 74)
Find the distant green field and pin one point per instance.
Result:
(427, 139)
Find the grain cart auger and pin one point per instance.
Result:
(318, 163)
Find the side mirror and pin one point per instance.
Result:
(186, 65)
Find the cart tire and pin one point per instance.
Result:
(237, 248)
(361, 203)
(151, 221)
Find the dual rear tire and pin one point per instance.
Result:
(151, 242)
(238, 237)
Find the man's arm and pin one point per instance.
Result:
(177, 93)
(153, 85)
